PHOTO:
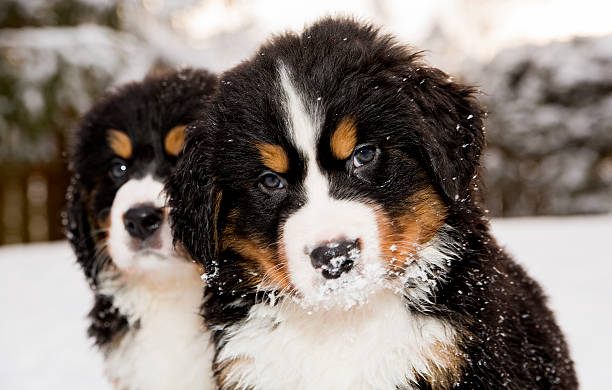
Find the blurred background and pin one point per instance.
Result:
(544, 68)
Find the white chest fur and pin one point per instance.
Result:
(167, 346)
(379, 345)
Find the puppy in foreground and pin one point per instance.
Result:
(342, 232)
(147, 295)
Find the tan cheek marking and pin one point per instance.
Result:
(120, 143)
(445, 365)
(99, 224)
(105, 223)
(261, 256)
(174, 140)
(344, 139)
(274, 157)
(100, 227)
(401, 240)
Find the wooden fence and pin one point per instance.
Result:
(32, 199)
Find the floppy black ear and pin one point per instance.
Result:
(452, 132)
(78, 230)
(194, 201)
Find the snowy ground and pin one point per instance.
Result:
(44, 299)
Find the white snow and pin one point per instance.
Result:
(571, 258)
(44, 300)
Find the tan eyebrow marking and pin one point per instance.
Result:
(120, 143)
(174, 140)
(274, 157)
(344, 138)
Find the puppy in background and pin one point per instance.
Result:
(342, 234)
(147, 294)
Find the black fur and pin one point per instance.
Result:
(107, 323)
(430, 132)
(146, 111)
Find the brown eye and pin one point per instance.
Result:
(118, 170)
(363, 154)
(271, 181)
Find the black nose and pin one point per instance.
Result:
(335, 257)
(142, 221)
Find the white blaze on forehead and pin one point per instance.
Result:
(304, 127)
(322, 218)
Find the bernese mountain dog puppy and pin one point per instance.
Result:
(147, 294)
(332, 194)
